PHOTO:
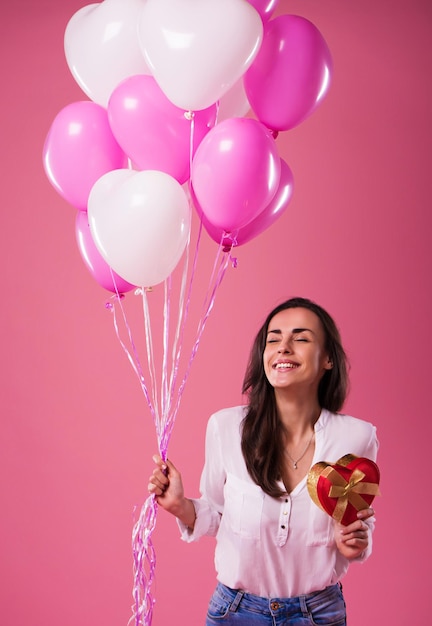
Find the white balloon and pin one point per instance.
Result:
(140, 223)
(101, 46)
(198, 49)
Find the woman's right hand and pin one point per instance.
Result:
(166, 485)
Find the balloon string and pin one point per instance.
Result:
(183, 304)
(209, 300)
(181, 321)
(150, 357)
(185, 300)
(142, 546)
(166, 325)
(133, 360)
(144, 564)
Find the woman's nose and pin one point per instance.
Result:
(285, 345)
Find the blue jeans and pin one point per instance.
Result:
(231, 607)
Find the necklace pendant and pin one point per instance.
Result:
(295, 465)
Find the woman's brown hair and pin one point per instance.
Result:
(262, 437)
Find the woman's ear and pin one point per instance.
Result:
(328, 364)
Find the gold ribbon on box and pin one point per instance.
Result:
(348, 491)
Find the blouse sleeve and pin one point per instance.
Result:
(209, 506)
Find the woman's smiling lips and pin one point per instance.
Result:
(284, 365)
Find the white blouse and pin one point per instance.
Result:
(272, 547)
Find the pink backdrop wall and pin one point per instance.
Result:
(76, 436)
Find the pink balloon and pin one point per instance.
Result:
(154, 133)
(79, 149)
(98, 268)
(264, 220)
(235, 172)
(264, 7)
(234, 103)
(291, 73)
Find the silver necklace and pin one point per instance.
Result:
(302, 454)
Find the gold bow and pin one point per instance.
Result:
(348, 491)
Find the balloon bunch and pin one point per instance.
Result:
(186, 100)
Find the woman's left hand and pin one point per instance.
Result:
(353, 539)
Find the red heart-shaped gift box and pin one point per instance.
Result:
(343, 488)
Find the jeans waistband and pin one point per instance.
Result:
(273, 604)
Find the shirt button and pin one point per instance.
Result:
(283, 526)
(274, 606)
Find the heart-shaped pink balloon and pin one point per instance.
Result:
(152, 131)
(79, 149)
(198, 49)
(102, 48)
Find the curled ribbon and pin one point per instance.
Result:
(348, 491)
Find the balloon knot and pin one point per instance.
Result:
(109, 305)
(141, 290)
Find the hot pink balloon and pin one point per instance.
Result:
(264, 220)
(235, 172)
(154, 133)
(98, 268)
(264, 7)
(79, 149)
(291, 73)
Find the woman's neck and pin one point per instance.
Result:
(297, 416)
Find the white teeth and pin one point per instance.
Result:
(285, 366)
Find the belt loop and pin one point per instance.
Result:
(234, 606)
(303, 606)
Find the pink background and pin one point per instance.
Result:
(77, 438)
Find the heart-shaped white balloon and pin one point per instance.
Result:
(197, 49)
(101, 46)
(140, 223)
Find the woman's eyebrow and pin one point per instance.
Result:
(294, 331)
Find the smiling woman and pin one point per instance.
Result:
(296, 346)
(76, 441)
(254, 496)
